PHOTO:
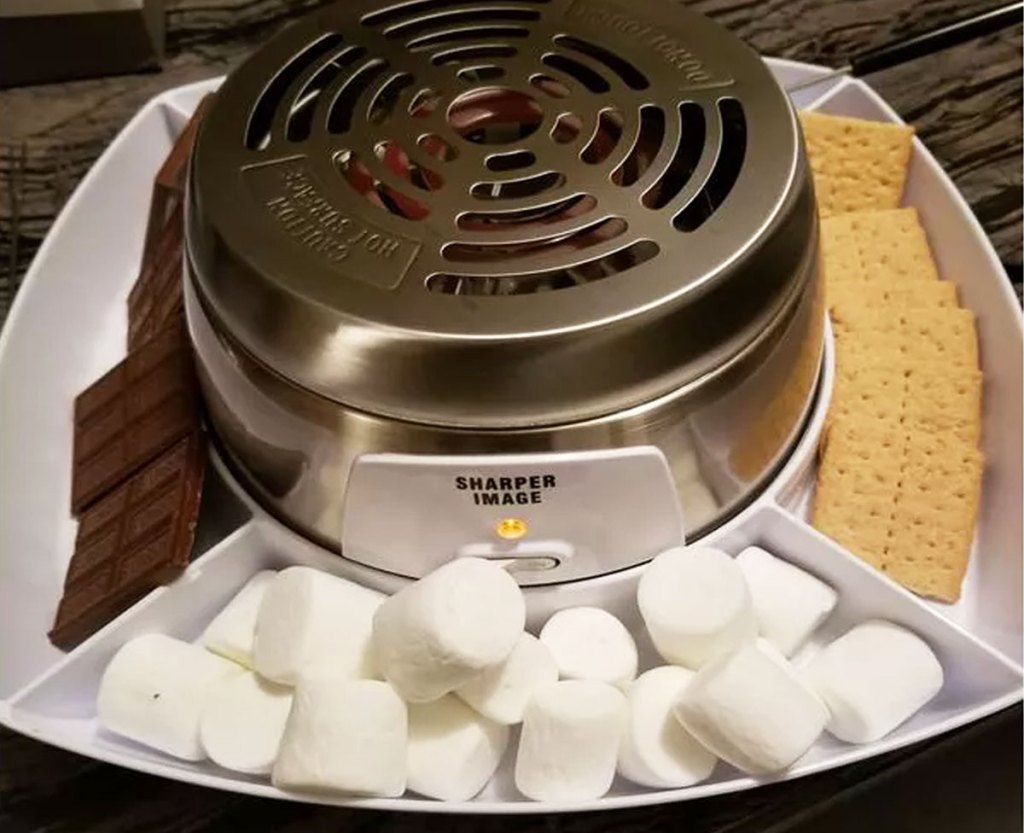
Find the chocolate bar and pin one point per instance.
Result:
(138, 455)
(169, 186)
(156, 297)
(157, 294)
(172, 173)
(132, 414)
(133, 540)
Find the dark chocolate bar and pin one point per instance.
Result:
(133, 540)
(132, 414)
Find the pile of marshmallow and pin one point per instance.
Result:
(328, 686)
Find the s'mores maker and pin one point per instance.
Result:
(519, 274)
(377, 200)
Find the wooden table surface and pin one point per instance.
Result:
(966, 105)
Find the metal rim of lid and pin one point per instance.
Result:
(499, 214)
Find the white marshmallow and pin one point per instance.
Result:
(313, 623)
(154, 691)
(750, 708)
(570, 741)
(232, 631)
(243, 721)
(344, 735)
(453, 751)
(873, 678)
(789, 604)
(438, 633)
(695, 604)
(590, 644)
(501, 692)
(656, 750)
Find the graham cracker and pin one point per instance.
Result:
(878, 295)
(874, 392)
(856, 485)
(885, 247)
(900, 472)
(918, 364)
(930, 539)
(937, 397)
(934, 397)
(857, 165)
(940, 334)
(905, 500)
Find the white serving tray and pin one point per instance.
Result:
(68, 326)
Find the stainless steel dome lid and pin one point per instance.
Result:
(499, 214)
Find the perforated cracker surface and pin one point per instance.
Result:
(858, 165)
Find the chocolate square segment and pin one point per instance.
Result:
(156, 297)
(134, 539)
(132, 414)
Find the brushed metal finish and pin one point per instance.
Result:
(389, 209)
(293, 449)
(502, 226)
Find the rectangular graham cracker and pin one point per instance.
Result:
(857, 165)
(875, 392)
(902, 499)
(938, 398)
(856, 483)
(940, 334)
(929, 541)
(878, 295)
(900, 474)
(889, 248)
(945, 338)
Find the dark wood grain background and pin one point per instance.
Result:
(966, 105)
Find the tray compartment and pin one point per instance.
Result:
(979, 680)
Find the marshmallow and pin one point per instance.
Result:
(501, 692)
(695, 604)
(750, 709)
(440, 632)
(570, 741)
(590, 644)
(656, 750)
(154, 690)
(873, 678)
(453, 751)
(313, 623)
(344, 735)
(789, 604)
(232, 631)
(243, 721)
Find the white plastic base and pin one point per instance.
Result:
(67, 327)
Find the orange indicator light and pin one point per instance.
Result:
(511, 529)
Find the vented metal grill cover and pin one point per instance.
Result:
(499, 214)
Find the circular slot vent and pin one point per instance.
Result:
(432, 173)
(589, 107)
